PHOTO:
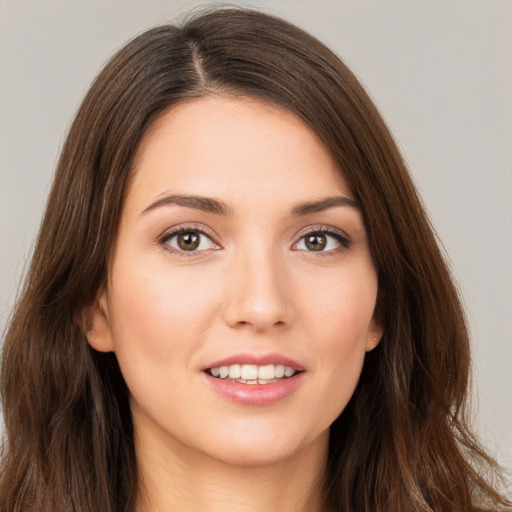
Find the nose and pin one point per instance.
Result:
(258, 294)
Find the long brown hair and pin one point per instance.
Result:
(402, 443)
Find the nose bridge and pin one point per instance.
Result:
(258, 295)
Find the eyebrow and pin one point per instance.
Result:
(211, 205)
(205, 204)
(311, 207)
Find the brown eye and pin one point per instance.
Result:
(189, 240)
(322, 242)
(316, 242)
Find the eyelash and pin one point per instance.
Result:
(343, 239)
(339, 236)
(168, 235)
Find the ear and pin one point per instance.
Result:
(94, 321)
(375, 332)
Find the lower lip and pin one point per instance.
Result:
(255, 394)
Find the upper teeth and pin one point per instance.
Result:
(252, 371)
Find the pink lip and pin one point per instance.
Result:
(257, 359)
(255, 394)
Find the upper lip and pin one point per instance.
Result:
(256, 359)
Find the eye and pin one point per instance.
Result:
(188, 240)
(321, 241)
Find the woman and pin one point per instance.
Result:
(236, 300)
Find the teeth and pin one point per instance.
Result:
(288, 372)
(235, 371)
(267, 372)
(253, 374)
(280, 371)
(249, 372)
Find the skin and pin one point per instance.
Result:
(252, 286)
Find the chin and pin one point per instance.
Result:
(262, 447)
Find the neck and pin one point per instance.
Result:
(174, 477)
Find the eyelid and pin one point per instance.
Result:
(176, 230)
(342, 237)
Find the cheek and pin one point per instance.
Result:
(159, 315)
(338, 323)
(159, 321)
(341, 309)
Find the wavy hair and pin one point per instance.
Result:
(402, 443)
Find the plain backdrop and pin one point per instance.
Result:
(440, 71)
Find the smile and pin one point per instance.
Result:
(254, 380)
(251, 373)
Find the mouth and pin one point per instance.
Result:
(254, 379)
(252, 373)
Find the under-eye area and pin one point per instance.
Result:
(252, 374)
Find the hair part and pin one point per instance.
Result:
(402, 443)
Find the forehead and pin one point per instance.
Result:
(224, 146)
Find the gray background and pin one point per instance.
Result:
(440, 71)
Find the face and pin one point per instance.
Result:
(241, 291)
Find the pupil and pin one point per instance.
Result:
(188, 241)
(316, 242)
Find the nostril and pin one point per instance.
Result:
(245, 323)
